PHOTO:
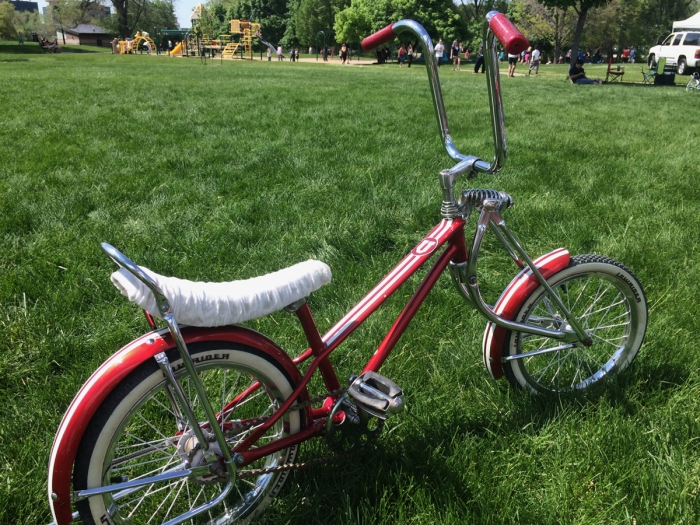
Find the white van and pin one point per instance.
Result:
(681, 49)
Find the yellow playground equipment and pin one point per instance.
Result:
(132, 46)
(246, 31)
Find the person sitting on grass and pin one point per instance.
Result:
(578, 76)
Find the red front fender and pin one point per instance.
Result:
(108, 376)
(510, 302)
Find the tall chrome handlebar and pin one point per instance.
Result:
(466, 163)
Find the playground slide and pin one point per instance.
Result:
(272, 48)
(177, 50)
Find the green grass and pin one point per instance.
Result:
(221, 172)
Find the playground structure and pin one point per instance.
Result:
(199, 42)
(240, 39)
(244, 31)
(133, 46)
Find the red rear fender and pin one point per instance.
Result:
(108, 376)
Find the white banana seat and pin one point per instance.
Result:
(220, 304)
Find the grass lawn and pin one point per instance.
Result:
(221, 172)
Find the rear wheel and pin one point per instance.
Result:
(682, 68)
(137, 433)
(651, 62)
(608, 301)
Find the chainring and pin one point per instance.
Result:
(356, 428)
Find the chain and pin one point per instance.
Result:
(318, 461)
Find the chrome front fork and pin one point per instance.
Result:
(465, 279)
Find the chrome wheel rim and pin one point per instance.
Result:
(603, 305)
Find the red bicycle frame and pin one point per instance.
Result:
(448, 231)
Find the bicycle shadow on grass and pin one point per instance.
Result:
(442, 459)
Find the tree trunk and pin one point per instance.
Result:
(577, 35)
(122, 6)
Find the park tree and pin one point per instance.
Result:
(7, 21)
(142, 15)
(581, 8)
(312, 16)
(363, 17)
(473, 14)
(551, 27)
(32, 22)
(66, 14)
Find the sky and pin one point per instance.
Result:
(183, 10)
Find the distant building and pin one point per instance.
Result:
(22, 7)
(89, 35)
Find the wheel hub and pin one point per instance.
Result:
(192, 453)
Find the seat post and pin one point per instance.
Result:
(303, 312)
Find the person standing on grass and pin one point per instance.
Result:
(454, 55)
(344, 53)
(512, 62)
(439, 50)
(633, 53)
(479, 60)
(402, 55)
(410, 54)
(578, 76)
(269, 55)
(535, 64)
(279, 53)
(466, 55)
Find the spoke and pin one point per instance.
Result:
(155, 513)
(577, 371)
(152, 444)
(598, 295)
(627, 323)
(223, 396)
(611, 306)
(148, 450)
(152, 426)
(169, 410)
(559, 359)
(581, 291)
(610, 342)
(590, 356)
(132, 466)
(233, 389)
(183, 482)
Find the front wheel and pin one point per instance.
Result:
(138, 432)
(608, 301)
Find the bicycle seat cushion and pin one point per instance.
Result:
(220, 304)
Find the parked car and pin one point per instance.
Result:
(681, 49)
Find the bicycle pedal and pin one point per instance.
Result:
(377, 395)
